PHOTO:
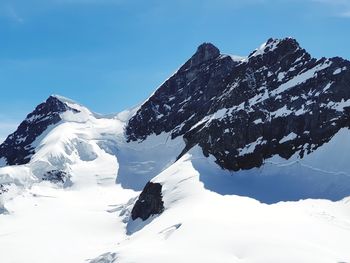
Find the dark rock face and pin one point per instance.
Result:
(181, 101)
(17, 148)
(278, 100)
(149, 203)
(205, 52)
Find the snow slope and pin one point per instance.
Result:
(46, 222)
(50, 224)
(324, 173)
(74, 222)
(211, 215)
(76, 176)
(199, 225)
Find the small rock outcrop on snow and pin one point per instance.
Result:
(149, 203)
(56, 176)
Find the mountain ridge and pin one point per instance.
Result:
(212, 97)
(212, 94)
(248, 87)
(228, 150)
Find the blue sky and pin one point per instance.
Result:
(111, 54)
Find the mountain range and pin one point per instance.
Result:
(231, 159)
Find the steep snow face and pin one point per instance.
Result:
(83, 148)
(66, 152)
(202, 226)
(44, 217)
(67, 192)
(39, 130)
(139, 162)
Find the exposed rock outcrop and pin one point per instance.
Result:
(149, 202)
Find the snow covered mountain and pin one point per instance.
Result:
(232, 159)
(277, 101)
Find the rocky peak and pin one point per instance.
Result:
(288, 43)
(205, 52)
(191, 89)
(285, 51)
(52, 106)
(285, 45)
(229, 107)
(18, 146)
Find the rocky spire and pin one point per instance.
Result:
(205, 52)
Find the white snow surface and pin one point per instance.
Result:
(289, 137)
(199, 225)
(301, 78)
(211, 215)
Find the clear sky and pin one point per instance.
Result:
(111, 54)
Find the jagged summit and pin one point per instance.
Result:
(205, 53)
(284, 45)
(52, 104)
(63, 99)
(269, 52)
(284, 52)
(224, 105)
